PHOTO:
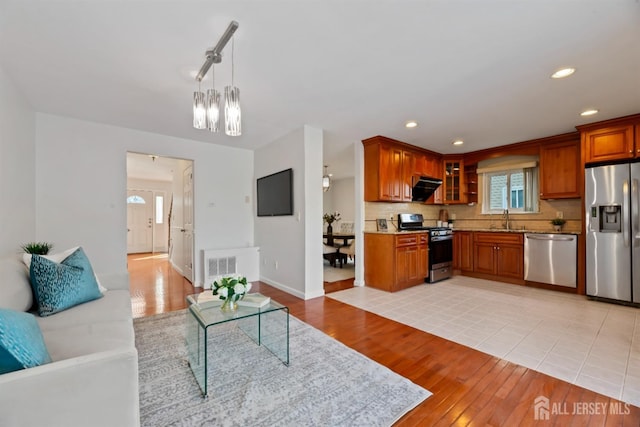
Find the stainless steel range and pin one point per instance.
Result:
(440, 246)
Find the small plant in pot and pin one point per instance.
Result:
(37, 248)
(558, 223)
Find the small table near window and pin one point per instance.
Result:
(267, 326)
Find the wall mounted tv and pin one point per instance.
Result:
(275, 194)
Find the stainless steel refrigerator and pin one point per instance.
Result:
(612, 207)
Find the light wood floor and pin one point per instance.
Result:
(469, 387)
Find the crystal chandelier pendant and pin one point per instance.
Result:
(213, 110)
(199, 112)
(232, 113)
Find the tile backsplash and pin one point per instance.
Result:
(471, 217)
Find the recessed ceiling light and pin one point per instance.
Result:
(562, 73)
(589, 112)
(458, 142)
(411, 124)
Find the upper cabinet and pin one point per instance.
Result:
(453, 181)
(429, 165)
(560, 170)
(616, 139)
(389, 169)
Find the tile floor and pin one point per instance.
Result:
(592, 344)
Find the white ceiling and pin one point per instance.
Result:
(477, 70)
(151, 167)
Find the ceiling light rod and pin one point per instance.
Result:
(214, 56)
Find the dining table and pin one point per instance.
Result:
(345, 237)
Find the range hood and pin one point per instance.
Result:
(424, 187)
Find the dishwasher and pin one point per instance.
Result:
(551, 259)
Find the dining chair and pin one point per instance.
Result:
(346, 227)
(350, 250)
(331, 254)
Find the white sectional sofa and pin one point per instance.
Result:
(93, 377)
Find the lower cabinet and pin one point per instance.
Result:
(463, 250)
(395, 261)
(499, 254)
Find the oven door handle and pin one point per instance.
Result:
(441, 238)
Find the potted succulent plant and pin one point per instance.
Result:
(558, 223)
(38, 248)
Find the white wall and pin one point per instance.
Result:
(340, 198)
(81, 188)
(17, 168)
(293, 242)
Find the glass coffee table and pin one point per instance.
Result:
(267, 326)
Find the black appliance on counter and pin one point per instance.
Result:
(440, 246)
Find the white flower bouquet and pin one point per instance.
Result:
(230, 289)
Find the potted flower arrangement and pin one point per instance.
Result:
(330, 219)
(230, 289)
(558, 223)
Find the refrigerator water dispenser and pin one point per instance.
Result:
(610, 218)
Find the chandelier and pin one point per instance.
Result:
(206, 109)
(326, 180)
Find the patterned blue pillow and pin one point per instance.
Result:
(21, 342)
(57, 287)
(88, 282)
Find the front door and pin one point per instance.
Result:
(139, 221)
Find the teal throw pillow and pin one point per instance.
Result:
(21, 342)
(57, 287)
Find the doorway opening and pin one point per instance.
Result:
(160, 209)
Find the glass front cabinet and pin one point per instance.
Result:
(453, 181)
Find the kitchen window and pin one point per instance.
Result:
(515, 188)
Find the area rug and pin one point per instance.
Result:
(325, 384)
(335, 274)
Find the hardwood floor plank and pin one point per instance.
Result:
(469, 387)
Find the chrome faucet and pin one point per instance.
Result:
(505, 219)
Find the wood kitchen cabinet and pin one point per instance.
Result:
(611, 143)
(615, 139)
(453, 181)
(388, 169)
(560, 170)
(499, 254)
(429, 164)
(463, 250)
(395, 261)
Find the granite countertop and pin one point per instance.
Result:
(484, 230)
(501, 230)
(397, 232)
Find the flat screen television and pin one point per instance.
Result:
(275, 194)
